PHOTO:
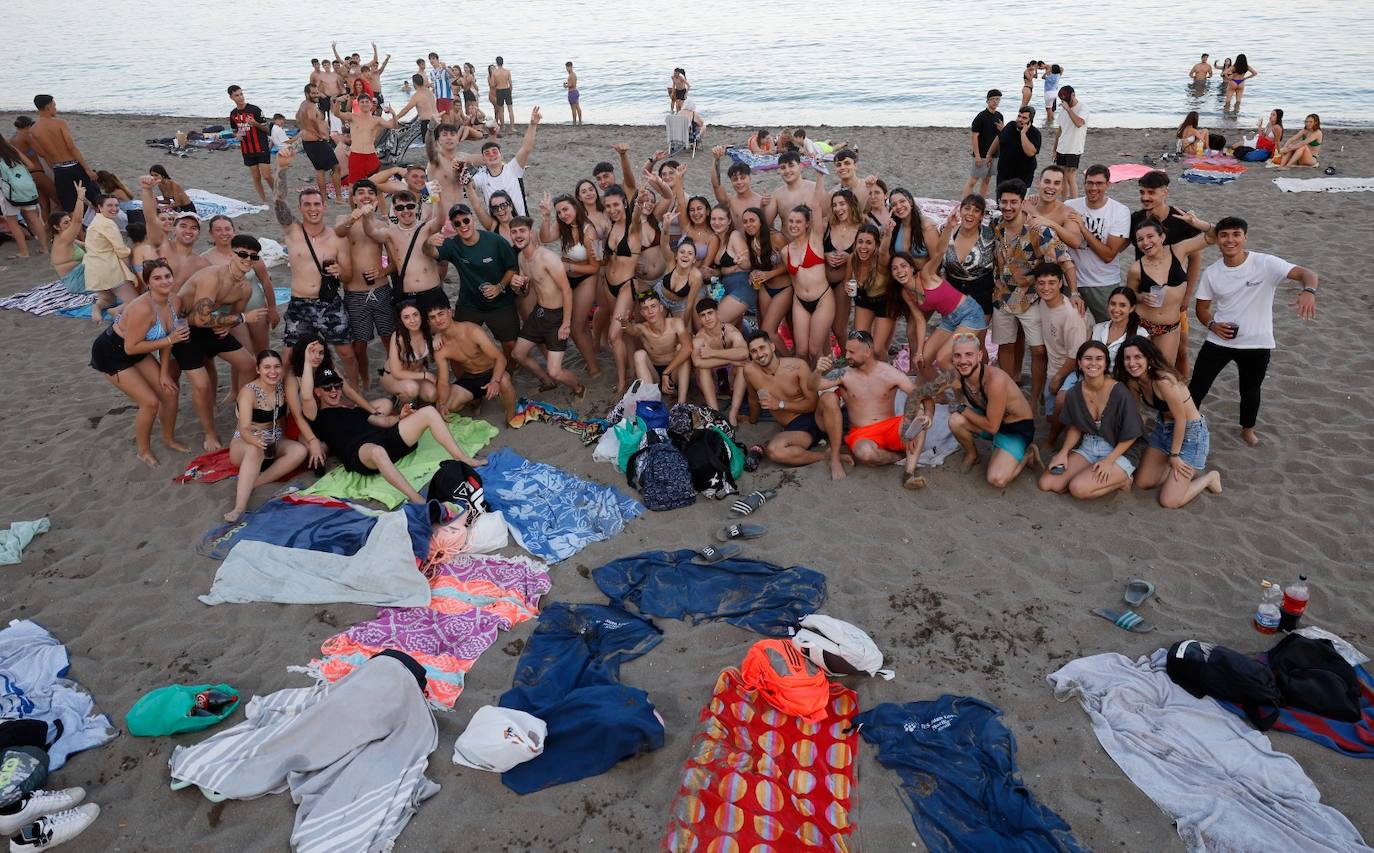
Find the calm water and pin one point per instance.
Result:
(895, 63)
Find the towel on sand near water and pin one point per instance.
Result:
(208, 204)
(417, 467)
(1325, 185)
(17, 538)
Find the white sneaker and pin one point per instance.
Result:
(37, 804)
(50, 831)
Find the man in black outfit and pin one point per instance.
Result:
(986, 125)
(1016, 148)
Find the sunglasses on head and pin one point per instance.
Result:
(861, 336)
(405, 206)
(246, 255)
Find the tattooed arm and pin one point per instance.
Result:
(285, 217)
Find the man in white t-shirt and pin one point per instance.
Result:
(1235, 301)
(502, 175)
(1105, 225)
(1071, 135)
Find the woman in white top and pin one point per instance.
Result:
(564, 218)
(1121, 325)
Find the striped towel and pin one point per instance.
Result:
(50, 298)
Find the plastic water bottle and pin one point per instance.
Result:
(1294, 603)
(1267, 615)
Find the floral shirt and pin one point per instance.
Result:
(1015, 254)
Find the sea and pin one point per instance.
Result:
(891, 62)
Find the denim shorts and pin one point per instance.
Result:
(1197, 441)
(737, 284)
(969, 315)
(1050, 399)
(1095, 448)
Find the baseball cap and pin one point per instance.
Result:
(326, 377)
(457, 209)
(497, 739)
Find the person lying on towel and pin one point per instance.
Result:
(371, 441)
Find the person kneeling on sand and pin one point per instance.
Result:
(995, 409)
(869, 388)
(477, 364)
(370, 443)
(1101, 423)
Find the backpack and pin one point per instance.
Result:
(17, 184)
(1313, 676)
(660, 473)
(838, 647)
(459, 483)
(653, 413)
(708, 461)
(686, 418)
(1206, 669)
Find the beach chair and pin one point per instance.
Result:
(680, 133)
(393, 144)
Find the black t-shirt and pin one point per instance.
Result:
(255, 141)
(343, 429)
(1012, 161)
(1175, 229)
(986, 124)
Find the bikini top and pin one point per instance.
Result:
(809, 259)
(421, 357)
(830, 247)
(156, 332)
(667, 284)
(1158, 403)
(268, 416)
(1177, 275)
(622, 249)
(577, 254)
(725, 260)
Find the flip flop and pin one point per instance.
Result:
(1137, 592)
(711, 554)
(1128, 620)
(740, 531)
(752, 501)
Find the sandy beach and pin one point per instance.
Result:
(967, 590)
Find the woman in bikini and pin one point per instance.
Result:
(1121, 322)
(813, 302)
(619, 253)
(1191, 138)
(562, 218)
(906, 229)
(251, 335)
(838, 242)
(680, 286)
(1028, 78)
(697, 226)
(966, 246)
(1301, 150)
(728, 258)
(1236, 76)
(1269, 133)
(170, 191)
(147, 324)
(263, 405)
(1175, 459)
(870, 301)
(410, 369)
(1160, 280)
(767, 273)
(919, 293)
(1102, 422)
(67, 252)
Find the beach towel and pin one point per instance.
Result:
(1355, 739)
(956, 762)
(471, 600)
(34, 686)
(1325, 185)
(1230, 166)
(14, 540)
(769, 162)
(1219, 779)
(1129, 171)
(417, 467)
(759, 779)
(352, 754)
(50, 298)
(209, 468)
(569, 677)
(208, 204)
(331, 526)
(752, 594)
(551, 513)
(533, 411)
(1196, 176)
(383, 572)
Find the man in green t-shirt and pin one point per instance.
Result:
(486, 263)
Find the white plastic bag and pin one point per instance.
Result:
(488, 533)
(839, 648)
(608, 446)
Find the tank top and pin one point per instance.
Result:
(942, 298)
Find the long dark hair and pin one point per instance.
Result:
(405, 350)
(916, 238)
(1241, 65)
(873, 265)
(9, 153)
(1190, 120)
(896, 305)
(1132, 319)
(574, 234)
(298, 355)
(761, 244)
(1156, 367)
(577, 196)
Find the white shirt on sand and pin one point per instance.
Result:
(1112, 219)
(1244, 295)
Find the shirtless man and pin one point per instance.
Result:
(847, 170)
(178, 248)
(500, 81)
(604, 173)
(477, 364)
(665, 359)
(424, 103)
(313, 252)
(574, 96)
(414, 274)
(330, 84)
(716, 345)
(744, 197)
(678, 87)
(52, 139)
(793, 192)
(202, 296)
(869, 388)
(367, 292)
(363, 129)
(783, 385)
(315, 141)
(995, 409)
(1045, 208)
(446, 165)
(548, 324)
(1201, 71)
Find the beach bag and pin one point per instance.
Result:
(1313, 676)
(167, 710)
(638, 390)
(24, 757)
(498, 739)
(1206, 669)
(653, 413)
(708, 461)
(457, 482)
(839, 648)
(629, 436)
(660, 473)
(17, 184)
(686, 418)
(786, 680)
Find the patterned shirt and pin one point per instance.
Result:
(1015, 254)
(441, 83)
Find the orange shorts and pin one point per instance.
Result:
(886, 434)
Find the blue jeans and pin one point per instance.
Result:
(1197, 441)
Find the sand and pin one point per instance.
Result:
(968, 590)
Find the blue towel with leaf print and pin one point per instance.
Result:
(551, 513)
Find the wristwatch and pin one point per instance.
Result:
(960, 408)
(782, 404)
(1311, 290)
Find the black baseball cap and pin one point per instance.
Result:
(325, 377)
(459, 209)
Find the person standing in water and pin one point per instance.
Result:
(574, 96)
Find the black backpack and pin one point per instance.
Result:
(708, 458)
(459, 483)
(1313, 676)
(659, 471)
(1206, 669)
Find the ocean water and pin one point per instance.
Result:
(771, 64)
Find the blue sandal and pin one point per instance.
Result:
(1127, 620)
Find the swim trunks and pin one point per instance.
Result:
(362, 166)
(370, 312)
(541, 327)
(443, 104)
(65, 177)
(573, 96)
(503, 97)
(202, 345)
(321, 154)
(806, 423)
(1013, 438)
(887, 434)
(328, 320)
(259, 158)
(474, 383)
(503, 322)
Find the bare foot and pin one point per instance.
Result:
(1214, 482)
(593, 372)
(545, 387)
(1250, 437)
(211, 444)
(580, 391)
(149, 459)
(173, 444)
(970, 459)
(233, 515)
(914, 482)
(837, 471)
(1035, 463)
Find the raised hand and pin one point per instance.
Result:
(534, 116)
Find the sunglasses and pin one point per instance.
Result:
(500, 206)
(328, 388)
(461, 220)
(861, 335)
(404, 206)
(247, 256)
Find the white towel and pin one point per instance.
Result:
(1325, 185)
